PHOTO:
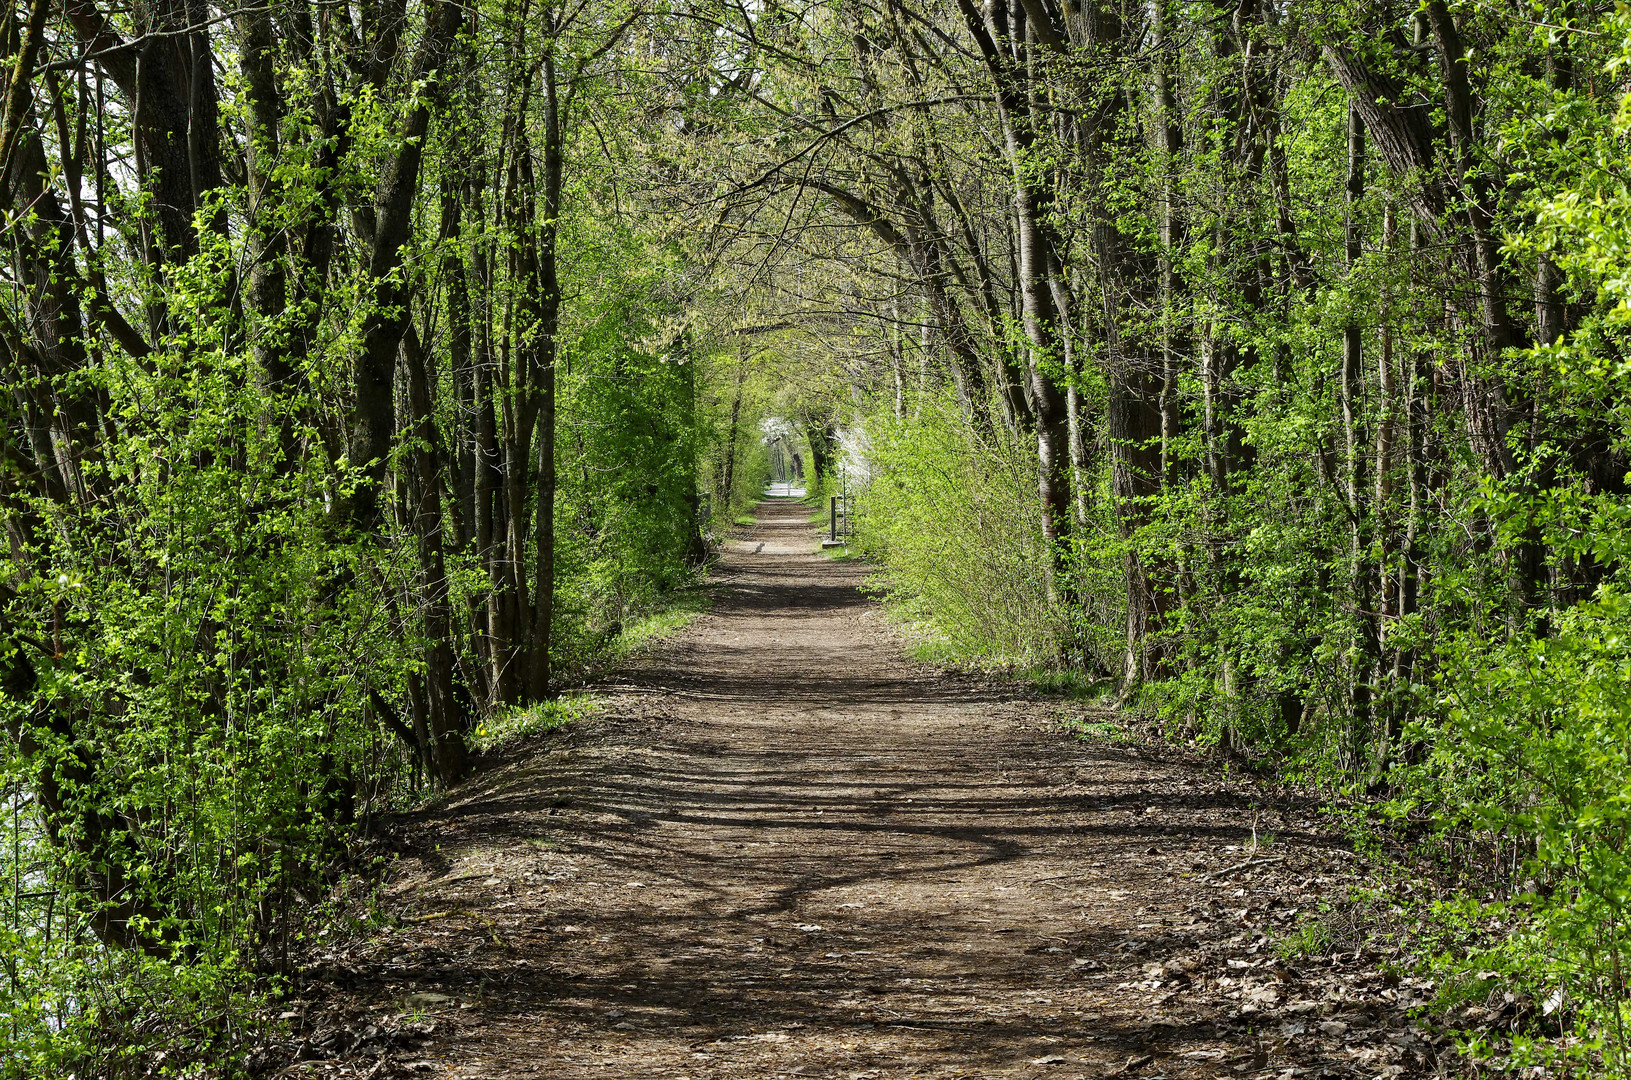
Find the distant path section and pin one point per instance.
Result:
(786, 850)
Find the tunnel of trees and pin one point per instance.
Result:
(372, 367)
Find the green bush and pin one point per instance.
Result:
(955, 526)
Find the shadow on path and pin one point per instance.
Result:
(785, 850)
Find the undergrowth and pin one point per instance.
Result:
(681, 606)
(1099, 728)
(511, 726)
(952, 521)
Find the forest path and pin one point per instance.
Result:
(785, 850)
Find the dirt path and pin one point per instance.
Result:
(786, 851)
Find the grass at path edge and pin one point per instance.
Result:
(510, 726)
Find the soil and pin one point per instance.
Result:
(784, 849)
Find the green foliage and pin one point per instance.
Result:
(235, 626)
(955, 526)
(819, 490)
(626, 502)
(511, 726)
(1532, 743)
(751, 477)
(1099, 730)
(273, 468)
(1311, 937)
(1070, 683)
(676, 612)
(1369, 532)
(202, 749)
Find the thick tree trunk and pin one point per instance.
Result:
(822, 435)
(369, 444)
(267, 292)
(447, 719)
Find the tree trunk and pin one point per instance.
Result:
(1357, 494)
(1000, 33)
(733, 433)
(542, 377)
(447, 719)
(822, 436)
(387, 318)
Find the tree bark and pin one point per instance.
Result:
(548, 302)
(369, 443)
(1366, 656)
(447, 718)
(1002, 45)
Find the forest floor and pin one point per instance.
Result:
(784, 849)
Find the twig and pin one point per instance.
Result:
(428, 918)
(1242, 866)
(469, 875)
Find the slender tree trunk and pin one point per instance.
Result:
(1386, 515)
(897, 361)
(1000, 32)
(540, 377)
(733, 433)
(1362, 574)
(1078, 452)
(456, 281)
